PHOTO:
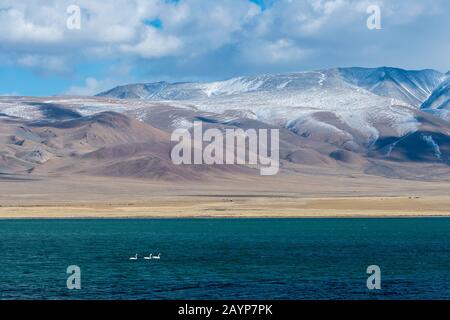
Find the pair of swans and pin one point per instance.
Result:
(150, 257)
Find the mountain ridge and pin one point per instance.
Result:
(366, 120)
(410, 86)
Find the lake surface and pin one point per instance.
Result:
(226, 258)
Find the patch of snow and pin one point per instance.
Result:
(430, 141)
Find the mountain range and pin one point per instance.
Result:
(379, 121)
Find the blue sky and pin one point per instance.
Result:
(126, 41)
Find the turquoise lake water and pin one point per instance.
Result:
(226, 258)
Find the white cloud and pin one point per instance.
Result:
(44, 63)
(154, 45)
(277, 51)
(115, 28)
(34, 34)
(91, 86)
(18, 28)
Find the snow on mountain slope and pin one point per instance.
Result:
(440, 98)
(438, 103)
(291, 100)
(335, 124)
(413, 87)
(192, 90)
(320, 105)
(328, 106)
(352, 107)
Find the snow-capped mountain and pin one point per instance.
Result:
(413, 87)
(365, 118)
(326, 103)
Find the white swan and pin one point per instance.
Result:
(135, 257)
(149, 257)
(157, 257)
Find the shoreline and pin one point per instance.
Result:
(224, 217)
(239, 207)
